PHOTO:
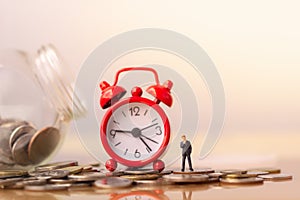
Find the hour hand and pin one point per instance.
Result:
(114, 131)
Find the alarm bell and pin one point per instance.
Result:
(110, 94)
(162, 92)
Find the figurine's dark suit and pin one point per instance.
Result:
(186, 153)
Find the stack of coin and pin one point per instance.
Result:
(69, 175)
(21, 144)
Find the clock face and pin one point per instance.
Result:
(136, 131)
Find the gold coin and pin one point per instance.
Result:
(240, 181)
(12, 173)
(239, 175)
(56, 165)
(72, 169)
(186, 178)
(267, 169)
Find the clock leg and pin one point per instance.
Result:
(158, 165)
(111, 165)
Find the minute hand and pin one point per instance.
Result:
(149, 126)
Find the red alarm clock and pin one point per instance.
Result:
(135, 131)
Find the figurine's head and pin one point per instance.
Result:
(183, 137)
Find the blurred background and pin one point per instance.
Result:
(255, 46)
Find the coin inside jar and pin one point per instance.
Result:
(19, 131)
(42, 144)
(20, 150)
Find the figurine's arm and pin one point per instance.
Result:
(181, 145)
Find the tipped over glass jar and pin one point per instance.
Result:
(37, 104)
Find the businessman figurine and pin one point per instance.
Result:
(186, 152)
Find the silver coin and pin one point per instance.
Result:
(9, 181)
(35, 182)
(215, 175)
(276, 177)
(87, 176)
(257, 173)
(186, 178)
(56, 165)
(19, 131)
(240, 181)
(42, 144)
(113, 182)
(62, 181)
(20, 150)
(5, 152)
(49, 174)
(47, 187)
(166, 172)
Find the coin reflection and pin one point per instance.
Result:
(140, 195)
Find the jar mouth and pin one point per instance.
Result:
(55, 79)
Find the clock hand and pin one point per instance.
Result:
(148, 148)
(149, 126)
(113, 132)
(149, 139)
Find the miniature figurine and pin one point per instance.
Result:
(186, 152)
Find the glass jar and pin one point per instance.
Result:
(37, 104)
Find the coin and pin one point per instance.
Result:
(141, 172)
(276, 177)
(113, 182)
(35, 182)
(87, 176)
(233, 171)
(5, 152)
(186, 178)
(238, 175)
(257, 173)
(42, 144)
(141, 176)
(12, 173)
(19, 131)
(271, 170)
(115, 173)
(252, 180)
(56, 173)
(9, 181)
(47, 187)
(166, 172)
(215, 175)
(56, 165)
(20, 150)
(198, 171)
(62, 181)
(72, 169)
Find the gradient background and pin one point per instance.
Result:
(255, 46)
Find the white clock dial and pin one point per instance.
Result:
(135, 131)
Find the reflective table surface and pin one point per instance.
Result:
(268, 190)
